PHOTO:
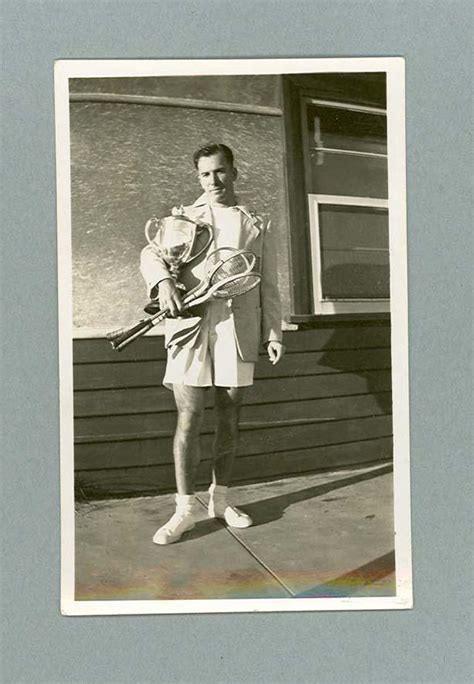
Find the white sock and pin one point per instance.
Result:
(185, 502)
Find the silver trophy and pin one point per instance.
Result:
(178, 240)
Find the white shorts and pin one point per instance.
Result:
(213, 360)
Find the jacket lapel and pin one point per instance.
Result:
(201, 210)
(250, 222)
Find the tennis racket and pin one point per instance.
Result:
(228, 274)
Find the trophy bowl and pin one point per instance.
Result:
(175, 239)
(178, 240)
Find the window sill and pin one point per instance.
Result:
(328, 320)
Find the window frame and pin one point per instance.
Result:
(337, 306)
(314, 200)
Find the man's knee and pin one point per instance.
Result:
(228, 399)
(190, 405)
(190, 419)
(189, 399)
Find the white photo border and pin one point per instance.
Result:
(394, 67)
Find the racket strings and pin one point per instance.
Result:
(239, 263)
(238, 286)
(220, 254)
(222, 263)
(230, 272)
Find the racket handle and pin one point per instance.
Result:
(119, 339)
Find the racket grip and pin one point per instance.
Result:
(119, 339)
(114, 334)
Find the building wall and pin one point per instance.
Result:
(130, 161)
(263, 91)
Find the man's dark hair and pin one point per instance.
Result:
(213, 148)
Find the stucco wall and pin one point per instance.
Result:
(129, 161)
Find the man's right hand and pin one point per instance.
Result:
(170, 297)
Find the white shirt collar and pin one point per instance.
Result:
(202, 201)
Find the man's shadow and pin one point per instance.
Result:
(273, 508)
(347, 351)
(268, 510)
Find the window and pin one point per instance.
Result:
(345, 157)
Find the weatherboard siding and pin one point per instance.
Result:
(327, 404)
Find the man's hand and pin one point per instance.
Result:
(275, 351)
(170, 297)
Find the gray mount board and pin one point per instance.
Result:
(427, 644)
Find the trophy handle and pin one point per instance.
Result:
(152, 221)
(210, 237)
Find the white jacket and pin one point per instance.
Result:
(257, 314)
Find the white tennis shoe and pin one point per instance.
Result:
(219, 508)
(180, 522)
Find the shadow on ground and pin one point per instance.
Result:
(267, 510)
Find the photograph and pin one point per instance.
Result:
(233, 335)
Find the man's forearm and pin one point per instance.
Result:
(153, 270)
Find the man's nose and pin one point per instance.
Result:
(214, 178)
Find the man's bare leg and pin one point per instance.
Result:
(186, 451)
(227, 403)
(227, 406)
(186, 445)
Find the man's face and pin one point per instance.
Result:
(216, 176)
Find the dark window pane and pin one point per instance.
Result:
(346, 174)
(354, 252)
(355, 275)
(347, 227)
(346, 129)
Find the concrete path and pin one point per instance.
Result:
(318, 535)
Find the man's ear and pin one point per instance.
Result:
(235, 173)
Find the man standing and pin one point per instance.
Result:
(218, 347)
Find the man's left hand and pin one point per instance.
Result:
(275, 351)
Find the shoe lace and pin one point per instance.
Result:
(175, 520)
